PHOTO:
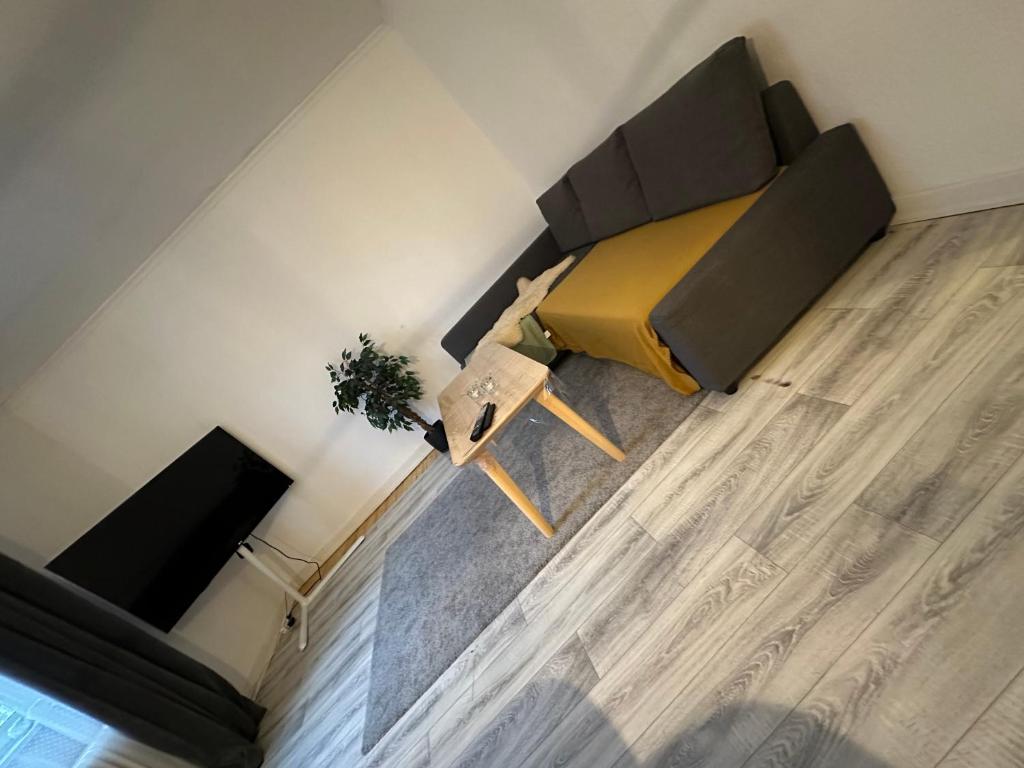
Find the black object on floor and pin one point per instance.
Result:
(436, 437)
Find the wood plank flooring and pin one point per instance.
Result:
(824, 569)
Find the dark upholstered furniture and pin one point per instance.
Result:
(76, 647)
(715, 135)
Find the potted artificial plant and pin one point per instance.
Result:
(383, 386)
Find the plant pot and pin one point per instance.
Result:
(436, 437)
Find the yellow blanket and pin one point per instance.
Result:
(602, 307)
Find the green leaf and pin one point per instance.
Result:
(378, 383)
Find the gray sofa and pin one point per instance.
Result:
(718, 133)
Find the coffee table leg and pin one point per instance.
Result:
(497, 473)
(577, 422)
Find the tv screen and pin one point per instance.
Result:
(158, 550)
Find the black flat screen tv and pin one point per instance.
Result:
(161, 548)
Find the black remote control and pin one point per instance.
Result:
(483, 422)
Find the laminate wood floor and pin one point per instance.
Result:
(825, 569)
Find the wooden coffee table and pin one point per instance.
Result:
(518, 380)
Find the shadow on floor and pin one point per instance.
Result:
(553, 723)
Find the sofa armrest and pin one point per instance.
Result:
(783, 253)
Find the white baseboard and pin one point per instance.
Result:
(992, 191)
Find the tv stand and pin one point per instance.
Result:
(245, 551)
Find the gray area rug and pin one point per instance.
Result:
(470, 552)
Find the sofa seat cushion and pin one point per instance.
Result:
(602, 308)
(608, 189)
(706, 139)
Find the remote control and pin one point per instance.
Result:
(483, 422)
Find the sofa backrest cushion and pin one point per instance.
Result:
(609, 190)
(561, 209)
(792, 126)
(706, 139)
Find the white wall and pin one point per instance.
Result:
(933, 85)
(379, 206)
(119, 118)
